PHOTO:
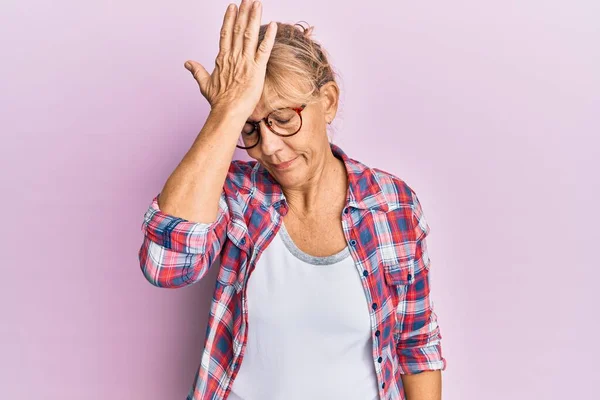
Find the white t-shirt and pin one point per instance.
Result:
(309, 332)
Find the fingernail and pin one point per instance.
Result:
(188, 66)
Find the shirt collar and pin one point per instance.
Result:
(364, 188)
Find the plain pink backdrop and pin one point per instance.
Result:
(488, 109)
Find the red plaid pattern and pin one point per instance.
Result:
(384, 227)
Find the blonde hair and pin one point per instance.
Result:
(298, 65)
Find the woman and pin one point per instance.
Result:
(323, 290)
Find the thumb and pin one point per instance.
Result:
(198, 71)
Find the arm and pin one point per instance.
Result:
(192, 191)
(233, 90)
(419, 346)
(185, 226)
(426, 385)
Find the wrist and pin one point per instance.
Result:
(229, 112)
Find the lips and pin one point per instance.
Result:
(284, 165)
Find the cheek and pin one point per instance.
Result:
(314, 123)
(312, 131)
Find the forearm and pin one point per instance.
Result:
(192, 191)
(426, 385)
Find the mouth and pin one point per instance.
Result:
(284, 165)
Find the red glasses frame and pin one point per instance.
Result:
(266, 120)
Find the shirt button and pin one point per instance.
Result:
(243, 241)
(383, 385)
(353, 243)
(379, 360)
(374, 306)
(377, 333)
(346, 210)
(409, 276)
(365, 273)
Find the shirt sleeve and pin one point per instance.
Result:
(419, 348)
(177, 252)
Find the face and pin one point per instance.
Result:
(293, 160)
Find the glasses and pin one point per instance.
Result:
(283, 122)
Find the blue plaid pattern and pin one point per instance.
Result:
(385, 229)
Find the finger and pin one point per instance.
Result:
(198, 72)
(226, 29)
(251, 35)
(240, 26)
(264, 50)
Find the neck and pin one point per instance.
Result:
(323, 193)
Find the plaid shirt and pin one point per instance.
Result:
(385, 229)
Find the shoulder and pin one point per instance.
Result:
(394, 189)
(400, 195)
(402, 200)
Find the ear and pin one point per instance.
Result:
(330, 95)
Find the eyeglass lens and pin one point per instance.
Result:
(284, 122)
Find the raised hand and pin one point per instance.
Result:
(238, 78)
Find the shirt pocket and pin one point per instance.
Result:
(399, 269)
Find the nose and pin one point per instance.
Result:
(270, 143)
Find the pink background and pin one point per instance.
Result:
(488, 109)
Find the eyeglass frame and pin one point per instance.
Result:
(256, 125)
